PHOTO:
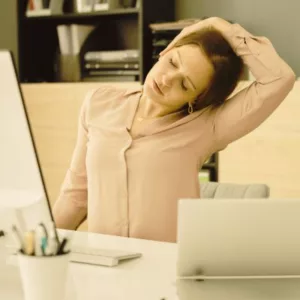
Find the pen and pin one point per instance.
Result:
(18, 238)
(29, 242)
(42, 225)
(63, 247)
(52, 243)
(41, 240)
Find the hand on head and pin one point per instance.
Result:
(213, 22)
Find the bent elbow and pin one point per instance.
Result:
(289, 78)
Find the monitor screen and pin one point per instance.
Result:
(21, 180)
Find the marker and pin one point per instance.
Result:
(41, 240)
(52, 243)
(42, 225)
(39, 234)
(29, 242)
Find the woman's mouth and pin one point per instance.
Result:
(156, 88)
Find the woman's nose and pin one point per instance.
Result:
(167, 79)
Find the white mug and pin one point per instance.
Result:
(44, 277)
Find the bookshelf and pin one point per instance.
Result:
(118, 29)
(84, 15)
(38, 41)
(212, 166)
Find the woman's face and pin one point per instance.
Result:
(178, 77)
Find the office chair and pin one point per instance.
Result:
(231, 190)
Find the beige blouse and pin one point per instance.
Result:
(130, 187)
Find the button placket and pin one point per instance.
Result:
(125, 199)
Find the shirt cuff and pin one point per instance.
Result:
(241, 41)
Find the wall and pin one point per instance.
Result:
(278, 20)
(270, 153)
(9, 26)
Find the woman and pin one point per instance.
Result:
(139, 151)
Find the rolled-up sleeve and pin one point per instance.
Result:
(70, 209)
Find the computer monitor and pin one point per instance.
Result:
(21, 180)
(22, 186)
(238, 238)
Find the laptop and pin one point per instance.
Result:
(238, 239)
(20, 172)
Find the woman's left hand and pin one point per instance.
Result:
(213, 22)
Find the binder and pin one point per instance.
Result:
(64, 39)
(79, 33)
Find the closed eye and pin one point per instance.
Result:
(182, 82)
(172, 62)
(183, 86)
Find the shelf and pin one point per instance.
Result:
(211, 165)
(119, 28)
(78, 16)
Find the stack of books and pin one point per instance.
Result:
(37, 8)
(83, 6)
(115, 65)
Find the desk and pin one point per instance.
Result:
(151, 277)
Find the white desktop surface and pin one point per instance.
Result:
(153, 277)
(150, 277)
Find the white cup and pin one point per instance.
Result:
(44, 277)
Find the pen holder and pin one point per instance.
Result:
(44, 277)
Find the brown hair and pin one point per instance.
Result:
(228, 67)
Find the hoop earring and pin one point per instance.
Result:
(191, 108)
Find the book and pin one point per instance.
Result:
(110, 78)
(30, 5)
(83, 6)
(204, 176)
(46, 3)
(37, 8)
(71, 37)
(100, 5)
(111, 65)
(176, 25)
(113, 72)
(128, 55)
(38, 12)
(64, 39)
(38, 4)
(79, 33)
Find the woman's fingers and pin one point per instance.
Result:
(186, 31)
(171, 45)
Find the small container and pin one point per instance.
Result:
(44, 277)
